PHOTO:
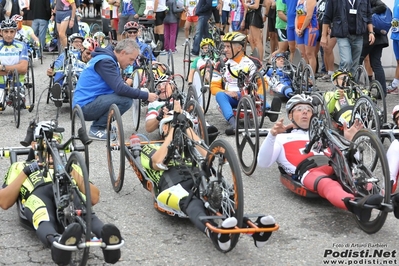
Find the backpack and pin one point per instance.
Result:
(382, 22)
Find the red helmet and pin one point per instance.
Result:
(17, 17)
(90, 44)
(395, 112)
(131, 25)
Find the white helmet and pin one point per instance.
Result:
(164, 121)
(394, 112)
(298, 99)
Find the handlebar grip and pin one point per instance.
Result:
(29, 134)
(82, 134)
(308, 147)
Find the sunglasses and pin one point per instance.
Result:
(302, 108)
(132, 32)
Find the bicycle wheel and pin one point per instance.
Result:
(16, 98)
(136, 106)
(171, 63)
(371, 164)
(186, 60)
(69, 88)
(78, 123)
(258, 92)
(80, 203)
(198, 119)
(147, 79)
(94, 28)
(361, 77)
(298, 75)
(247, 135)
(191, 94)
(365, 110)
(206, 84)
(377, 94)
(115, 148)
(197, 85)
(308, 80)
(223, 164)
(30, 86)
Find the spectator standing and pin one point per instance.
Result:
(41, 12)
(225, 15)
(11, 8)
(191, 19)
(130, 10)
(348, 20)
(204, 11)
(237, 16)
(65, 19)
(271, 16)
(160, 13)
(281, 27)
(254, 24)
(374, 51)
(291, 14)
(393, 88)
(171, 24)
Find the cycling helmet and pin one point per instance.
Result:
(8, 24)
(207, 41)
(279, 55)
(90, 44)
(298, 99)
(164, 121)
(161, 78)
(17, 18)
(395, 112)
(131, 25)
(98, 35)
(75, 36)
(235, 37)
(340, 72)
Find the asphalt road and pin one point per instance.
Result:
(312, 231)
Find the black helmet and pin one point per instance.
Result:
(8, 24)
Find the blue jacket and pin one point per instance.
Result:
(336, 16)
(204, 8)
(102, 76)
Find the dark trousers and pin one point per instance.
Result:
(375, 52)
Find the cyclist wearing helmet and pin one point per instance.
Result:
(26, 182)
(173, 181)
(84, 28)
(393, 162)
(25, 33)
(13, 53)
(65, 18)
(99, 37)
(284, 144)
(101, 84)
(279, 81)
(207, 45)
(129, 10)
(225, 87)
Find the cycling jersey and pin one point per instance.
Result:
(301, 12)
(340, 110)
(191, 4)
(64, 5)
(12, 55)
(25, 32)
(199, 62)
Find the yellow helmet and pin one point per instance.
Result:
(207, 41)
(340, 72)
(235, 37)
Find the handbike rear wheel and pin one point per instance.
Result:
(198, 119)
(81, 256)
(78, 122)
(369, 157)
(136, 106)
(206, 84)
(115, 148)
(365, 110)
(186, 60)
(223, 164)
(16, 98)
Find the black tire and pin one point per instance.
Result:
(370, 157)
(197, 85)
(115, 148)
(81, 256)
(361, 77)
(29, 85)
(206, 84)
(365, 110)
(51, 82)
(78, 121)
(136, 106)
(298, 75)
(377, 94)
(16, 96)
(259, 96)
(223, 164)
(320, 109)
(247, 135)
(308, 80)
(198, 119)
(191, 94)
(69, 88)
(186, 60)
(171, 63)
(148, 80)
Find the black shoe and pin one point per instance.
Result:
(230, 131)
(56, 94)
(395, 203)
(70, 237)
(111, 235)
(362, 212)
(213, 132)
(275, 107)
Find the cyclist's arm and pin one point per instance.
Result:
(115, 82)
(268, 152)
(9, 193)
(216, 84)
(392, 156)
(21, 67)
(159, 156)
(330, 100)
(94, 191)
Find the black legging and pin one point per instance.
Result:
(47, 230)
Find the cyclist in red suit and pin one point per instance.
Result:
(287, 150)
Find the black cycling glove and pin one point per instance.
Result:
(31, 168)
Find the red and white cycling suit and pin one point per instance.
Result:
(287, 149)
(392, 156)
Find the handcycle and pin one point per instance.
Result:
(59, 162)
(16, 95)
(218, 181)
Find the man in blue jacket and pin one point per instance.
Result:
(204, 11)
(101, 84)
(348, 20)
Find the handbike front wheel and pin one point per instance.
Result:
(76, 166)
(78, 123)
(372, 176)
(115, 148)
(222, 164)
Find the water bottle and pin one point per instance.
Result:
(135, 145)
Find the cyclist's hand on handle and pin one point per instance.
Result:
(279, 127)
(177, 106)
(152, 97)
(349, 133)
